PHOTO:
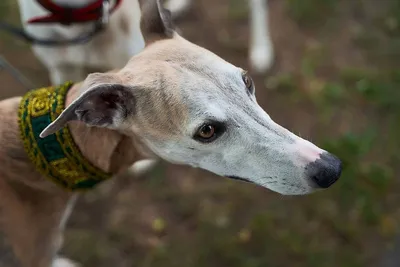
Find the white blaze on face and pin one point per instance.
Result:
(251, 146)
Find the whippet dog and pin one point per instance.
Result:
(174, 101)
(121, 39)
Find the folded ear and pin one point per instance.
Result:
(156, 21)
(105, 102)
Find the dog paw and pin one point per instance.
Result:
(64, 262)
(261, 58)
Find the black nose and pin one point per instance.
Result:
(325, 171)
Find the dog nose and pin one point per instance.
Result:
(325, 171)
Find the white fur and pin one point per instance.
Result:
(253, 147)
(68, 62)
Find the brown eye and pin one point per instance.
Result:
(206, 131)
(248, 81)
(209, 132)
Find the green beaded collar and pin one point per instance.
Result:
(55, 156)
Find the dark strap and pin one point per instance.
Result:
(20, 33)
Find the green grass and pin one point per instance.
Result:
(311, 12)
(391, 22)
(237, 11)
(4, 8)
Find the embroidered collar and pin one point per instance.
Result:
(56, 156)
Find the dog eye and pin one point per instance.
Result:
(248, 82)
(208, 132)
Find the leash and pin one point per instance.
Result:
(98, 11)
(4, 64)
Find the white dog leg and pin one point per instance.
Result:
(261, 47)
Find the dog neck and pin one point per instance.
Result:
(106, 149)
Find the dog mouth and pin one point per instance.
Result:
(239, 178)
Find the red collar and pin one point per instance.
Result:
(67, 15)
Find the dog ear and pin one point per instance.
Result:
(105, 102)
(156, 21)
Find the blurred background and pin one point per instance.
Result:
(335, 81)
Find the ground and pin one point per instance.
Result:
(336, 81)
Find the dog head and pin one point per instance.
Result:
(191, 107)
